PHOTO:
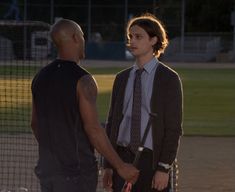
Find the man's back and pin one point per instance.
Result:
(63, 145)
(64, 116)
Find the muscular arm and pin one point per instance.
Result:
(34, 121)
(87, 93)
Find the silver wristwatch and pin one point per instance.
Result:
(166, 166)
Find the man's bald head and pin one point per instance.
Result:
(63, 31)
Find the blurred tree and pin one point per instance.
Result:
(108, 16)
(209, 15)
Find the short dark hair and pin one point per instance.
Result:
(154, 28)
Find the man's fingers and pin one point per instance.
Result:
(134, 179)
(160, 180)
(153, 183)
(107, 179)
(159, 185)
(108, 189)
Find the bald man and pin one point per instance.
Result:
(65, 121)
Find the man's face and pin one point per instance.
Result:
(140, 43)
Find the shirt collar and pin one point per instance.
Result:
(149, 66)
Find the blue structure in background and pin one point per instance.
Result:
(13, 12)
(106, 50)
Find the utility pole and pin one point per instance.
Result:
(154, 7)
(233, 24)
(126, 12)
(25, 30)
(52, 12)
(89, 21)
(182, 27)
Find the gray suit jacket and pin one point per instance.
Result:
(166, 102)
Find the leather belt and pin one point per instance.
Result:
(127, 149)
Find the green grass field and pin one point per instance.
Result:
(209, 101)
(209, 98)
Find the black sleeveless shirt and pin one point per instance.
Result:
(64, 147)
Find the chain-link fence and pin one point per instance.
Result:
(24, 48)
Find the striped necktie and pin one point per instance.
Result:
(136, 113)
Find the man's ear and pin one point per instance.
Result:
(154, 40)
(75, 38)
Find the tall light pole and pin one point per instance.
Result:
(182, 27)
(154, 7)
(25, 10)
(25, 30)
(52, 12)
(89, 21)
(233, 24)
(126, 16)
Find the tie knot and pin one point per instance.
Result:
(139, 71)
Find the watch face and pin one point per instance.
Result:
(166, 166)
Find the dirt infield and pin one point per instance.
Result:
(207, 164)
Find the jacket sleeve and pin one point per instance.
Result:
(108, 125)
(172, 119)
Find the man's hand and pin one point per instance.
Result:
(160, 180)
(128, 172)
(107, 180)
(86, 94)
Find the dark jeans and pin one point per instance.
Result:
(80, 183)
(144, 181)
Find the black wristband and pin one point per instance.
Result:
(163, 169)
